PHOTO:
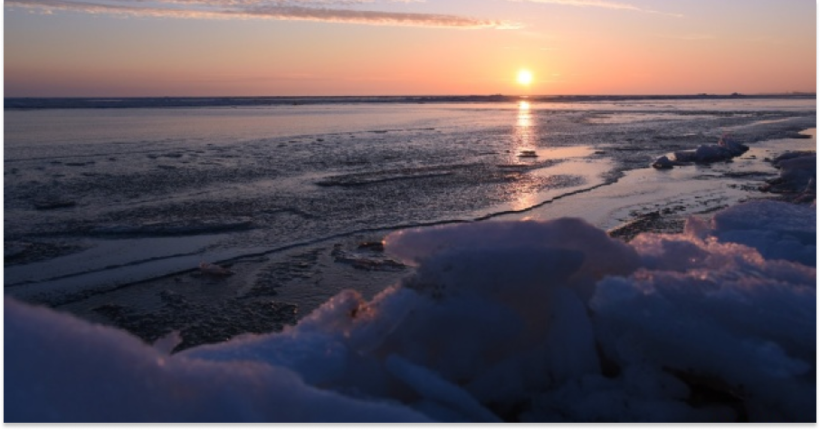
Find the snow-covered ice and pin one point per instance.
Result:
(531, 321)
(61, 369)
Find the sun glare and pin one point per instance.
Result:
(524, 77)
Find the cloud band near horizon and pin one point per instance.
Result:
(260, 9)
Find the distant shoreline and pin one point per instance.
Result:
(37, 103)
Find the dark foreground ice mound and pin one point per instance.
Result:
(529, 321)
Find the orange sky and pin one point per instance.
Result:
(382, 47)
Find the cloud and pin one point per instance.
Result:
(338, 11)
(601, 4)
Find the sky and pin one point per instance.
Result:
(132, 48)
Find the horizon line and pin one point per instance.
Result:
(702, 94)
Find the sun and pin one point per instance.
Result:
(524, 77)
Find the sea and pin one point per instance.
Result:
(105, 195)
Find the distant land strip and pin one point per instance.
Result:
(28, 103)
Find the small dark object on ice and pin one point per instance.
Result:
(373, 246)
(214, 269)
(663, 163)
(528, 153)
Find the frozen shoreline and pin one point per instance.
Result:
(140, 301)
(515, 321)
(535, 314)
(606, 203)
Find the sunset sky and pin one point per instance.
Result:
(406, 47)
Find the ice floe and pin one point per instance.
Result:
(726, 149)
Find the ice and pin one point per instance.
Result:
(435, 390)
(777, 230)
(174, 228)
(715, 308)
(598, 254)
(797, 174)
(110, 264)
(726, 149)
(514, 321)
(61, 369)
(640, 394)
(732, 146)
(663, 162)
(756, 336)
(251, 179)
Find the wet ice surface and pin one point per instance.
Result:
(98, 200)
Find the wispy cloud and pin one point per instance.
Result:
(338, 11)
(601, 4)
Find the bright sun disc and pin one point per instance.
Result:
(524, 77)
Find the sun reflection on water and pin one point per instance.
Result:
(523, 152)
(524, 116)
(523, 134)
